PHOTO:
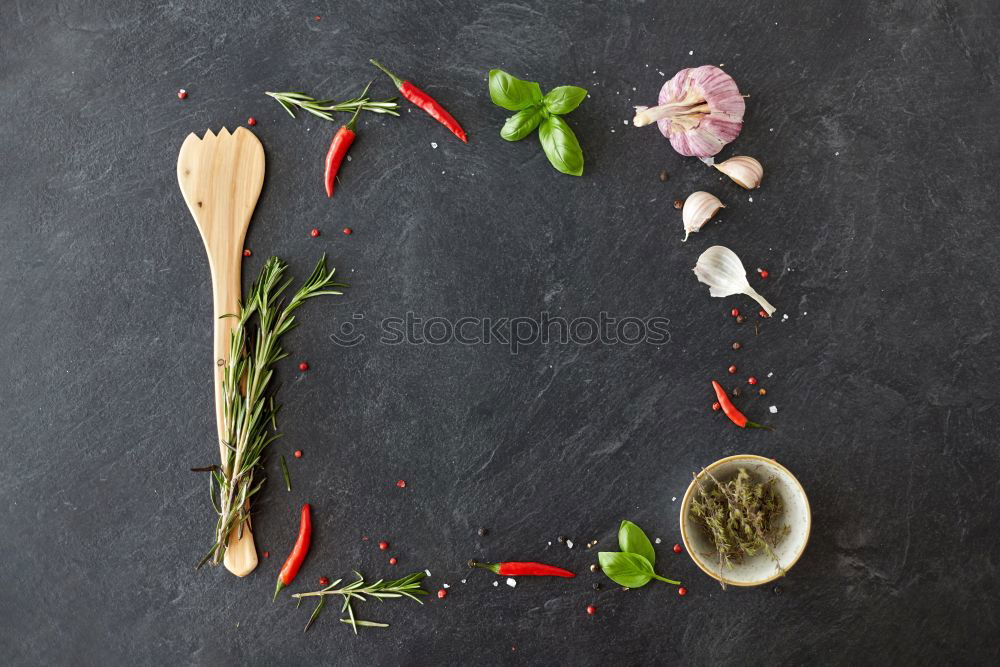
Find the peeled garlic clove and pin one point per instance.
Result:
(745, 171)
(721, 269)
(699, 208)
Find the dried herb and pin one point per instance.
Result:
(249, 411)
(408, 586)
(740, 517)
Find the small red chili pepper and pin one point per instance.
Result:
(425, 102)
(299, 551)
(734, 415)
(341, 143)
(516, 569)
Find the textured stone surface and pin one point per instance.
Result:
(877, 222)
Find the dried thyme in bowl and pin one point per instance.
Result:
(740, 517)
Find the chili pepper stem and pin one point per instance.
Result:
(751, 424)
(277, 589)
(395, 79)
(492, 567)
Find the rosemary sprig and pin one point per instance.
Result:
(325, 108)
(408, 586)
(249, 409)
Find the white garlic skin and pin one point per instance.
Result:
(699, 208)
(744, 170)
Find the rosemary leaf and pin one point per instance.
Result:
(284, 472)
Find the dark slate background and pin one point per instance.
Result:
(877, 221)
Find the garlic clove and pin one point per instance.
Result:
(721, 269)
(745, 171)
(699, 208)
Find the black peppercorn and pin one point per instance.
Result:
(483, 532)
(736, 346)
(740, 319)
(678, 203)
(594, 567)
(736, 391)
(664, 176)
(596, 587)
(562, 539)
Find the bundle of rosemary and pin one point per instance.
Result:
(740, 517)
(250, 409)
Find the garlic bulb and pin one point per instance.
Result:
(723, 272)
(745, 171)
(699, 110)
(699, 208)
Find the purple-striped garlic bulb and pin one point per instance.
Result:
(700, 110)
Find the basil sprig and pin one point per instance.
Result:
(631, 567)
(535, 110)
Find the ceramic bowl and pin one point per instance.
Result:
(762, 568)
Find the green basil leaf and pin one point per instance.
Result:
(633, 540)
(512, 93)
(564, 99)
(521, 124)
(625, 569)
(560, 146)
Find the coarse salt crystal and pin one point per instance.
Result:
(751, 199)
(784, 317)
(770, 375)
(690, 53)
(773, 409)
(657, 540)
(512, 582)
(434, 144)
(463, 581)
(673, 499)
(625, 122)
(445, 586)
(496, 583)
(427, 572)
(569, 544)
(348, 158)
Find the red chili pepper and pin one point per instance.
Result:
(516, 569)
(299, 551)
(425, 102)
(734, 415)
(341, 143)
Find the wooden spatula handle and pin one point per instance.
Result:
(241, 555)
